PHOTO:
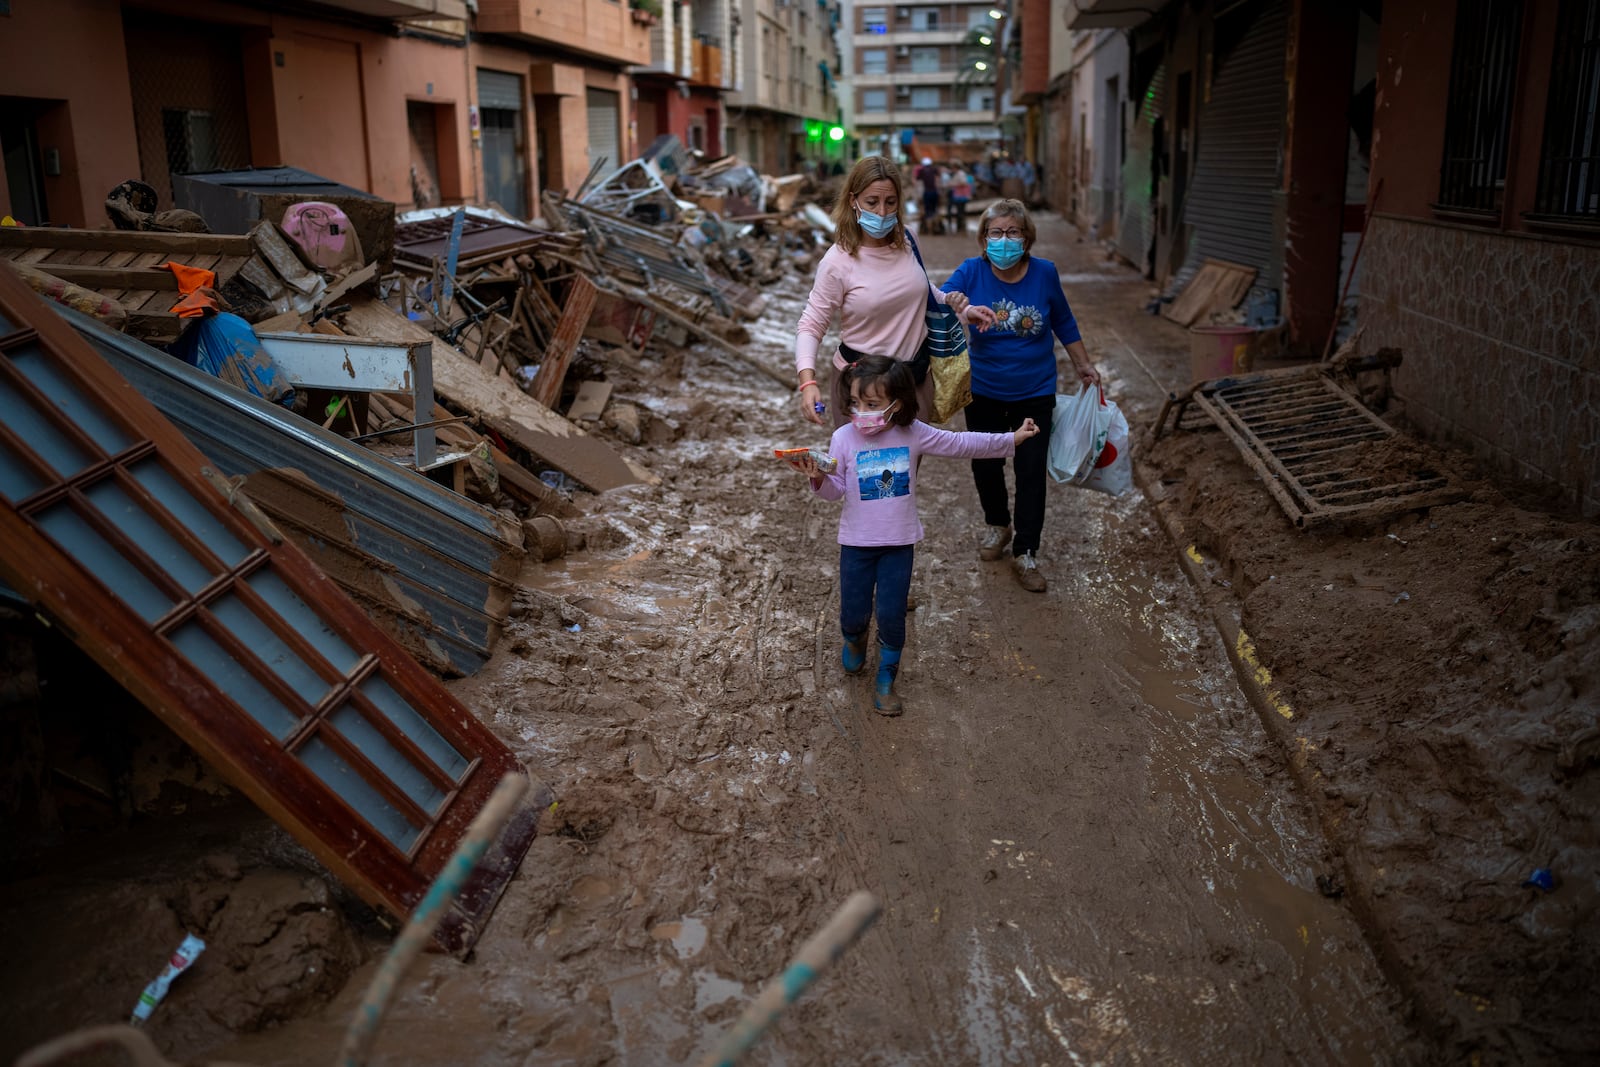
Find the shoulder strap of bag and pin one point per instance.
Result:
(933, 305)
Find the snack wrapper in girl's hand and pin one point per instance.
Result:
(826, 464)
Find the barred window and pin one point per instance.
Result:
(1483, 67)
(1569, 166)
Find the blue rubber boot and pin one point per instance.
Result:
(853, 656)
(884, 699)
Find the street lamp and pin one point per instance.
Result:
(996, 14)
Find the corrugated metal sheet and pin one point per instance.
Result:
(1235, 202)
(433, 568)
(1137, 225)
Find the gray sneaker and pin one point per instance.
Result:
(1029, 576)
(995, 540)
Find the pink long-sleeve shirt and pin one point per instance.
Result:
(877, 477)
(881, 296)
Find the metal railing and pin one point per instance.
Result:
(1483, 69)
(1569, 166)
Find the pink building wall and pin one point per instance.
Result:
(71, 51)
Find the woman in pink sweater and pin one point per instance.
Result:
(871, 279)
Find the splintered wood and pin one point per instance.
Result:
(1218, 286)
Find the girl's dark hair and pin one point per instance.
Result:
(890, 375)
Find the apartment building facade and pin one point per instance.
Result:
(785, 92)
(693, 54)
(420, 102)
(924, 74)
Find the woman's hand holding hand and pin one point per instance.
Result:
(956, 302)
(810, 395)
(1028, 429)
(980, 315)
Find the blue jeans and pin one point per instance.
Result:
(888, 569)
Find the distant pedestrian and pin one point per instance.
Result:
(928, 176)
(1014, 375)
(960, 196)
(877, 454)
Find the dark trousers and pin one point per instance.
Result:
(985, 415)
(888, 570)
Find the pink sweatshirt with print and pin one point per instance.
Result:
(877, 477)
(881, 297)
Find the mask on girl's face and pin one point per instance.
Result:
(871, 422)
(876, 225)
(1003, 252)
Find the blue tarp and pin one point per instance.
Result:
(224, 346)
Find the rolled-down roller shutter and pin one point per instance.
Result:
(605, 128)
(499, 90)
(1235, 201)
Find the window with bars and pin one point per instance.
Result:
(1569, 165)
(1483, 67)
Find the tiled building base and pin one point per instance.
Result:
(1501, 339)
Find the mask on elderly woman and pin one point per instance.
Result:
(1003, 252)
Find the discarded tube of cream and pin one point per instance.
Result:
(153, 993)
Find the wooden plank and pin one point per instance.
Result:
(1186, 309)
(564, 345)
(113, 277)
(502, 406)
(590, 401)
(172, 244)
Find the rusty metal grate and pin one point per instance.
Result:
(1316, 447)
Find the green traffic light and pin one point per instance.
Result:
(836, 133)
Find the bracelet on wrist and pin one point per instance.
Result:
(809, 381)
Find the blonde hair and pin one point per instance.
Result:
(1009, 209)
(847, 231)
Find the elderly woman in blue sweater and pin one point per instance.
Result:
(1014, 375)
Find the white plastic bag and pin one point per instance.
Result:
(1077, 434)
(1112, 470)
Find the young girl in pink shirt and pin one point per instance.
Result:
(875, 475)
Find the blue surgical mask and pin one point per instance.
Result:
(876, 225)
(1003, 252)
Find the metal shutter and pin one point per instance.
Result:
(497, 90)
(1137, 224)
(1236, 199)
(605, 138)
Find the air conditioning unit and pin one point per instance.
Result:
(904, 90)
(903, 50)
(902, 12)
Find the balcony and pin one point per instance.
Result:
(908, 116)
(923, 38)
(402, 9)
(879, 81)
(596, 27)
(707, 64)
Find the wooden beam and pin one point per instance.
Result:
(222, 244)
(564, 345)
(114, 277)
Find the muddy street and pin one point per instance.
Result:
(1086, 849)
